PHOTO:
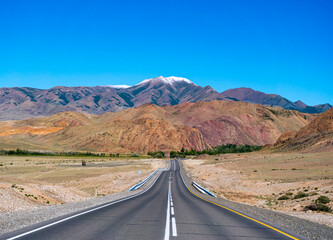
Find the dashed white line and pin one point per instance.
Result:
(174, 228)
(173, 219)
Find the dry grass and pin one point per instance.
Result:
(54, 180)
(281, 167)
(260, 179)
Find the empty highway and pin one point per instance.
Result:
(168, 210)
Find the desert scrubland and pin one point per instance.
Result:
(261, 179)
(27, 182)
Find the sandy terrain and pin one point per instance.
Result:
(260, 179)
(29, 182)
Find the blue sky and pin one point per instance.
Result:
(275, 46)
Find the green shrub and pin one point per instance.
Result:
(318, 207)
(289, 193)
(301, 195)
(323, 200)
(323, 208)
(284, 197)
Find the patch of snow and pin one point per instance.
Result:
(168, 80)
(118, 86)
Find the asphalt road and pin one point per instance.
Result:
(168, 210)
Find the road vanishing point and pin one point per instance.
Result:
(166, 210)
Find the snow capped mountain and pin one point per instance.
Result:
(118, 86)
(160, 91)
(168, 80)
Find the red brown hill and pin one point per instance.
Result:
(317, 136)
(152, 128)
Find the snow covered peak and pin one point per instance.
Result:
(173, 79)
(168, 80)
(118, 86)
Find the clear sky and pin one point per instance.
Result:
(275, 46)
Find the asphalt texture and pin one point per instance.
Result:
(167, 210)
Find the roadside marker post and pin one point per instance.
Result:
(139, 172)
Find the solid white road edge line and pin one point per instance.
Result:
(79, 214)
(174, 228)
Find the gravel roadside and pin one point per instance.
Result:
(303, 227)
(12, 221)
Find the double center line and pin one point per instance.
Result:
(170, 215)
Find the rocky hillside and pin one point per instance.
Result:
(317, 136)
(23, 103)
(223, 122)
(252, 96)
(151, 128)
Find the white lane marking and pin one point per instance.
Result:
(174, 228)
(171, 204)
(172, 211)
(167, 224)
(79, 214)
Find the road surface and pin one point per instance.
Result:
(168, 210)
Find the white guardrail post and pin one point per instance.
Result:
(140, 184)
(202, 190)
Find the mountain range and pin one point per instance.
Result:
(25, 102)
(150, 127)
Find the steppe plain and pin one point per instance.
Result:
(27, 182)
(260, 179)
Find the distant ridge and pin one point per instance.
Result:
(252, 96)
(317, 136)
(24, 102)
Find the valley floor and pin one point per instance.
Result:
(260, 179)
(29, 182)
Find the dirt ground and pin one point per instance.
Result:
(261, 179)
(29, 182)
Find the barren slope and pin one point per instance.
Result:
(153, 128)
(222, 122)
(314, 137)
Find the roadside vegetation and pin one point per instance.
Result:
(320, 205)
(158, 154)
(21, 152)
(222, 149)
